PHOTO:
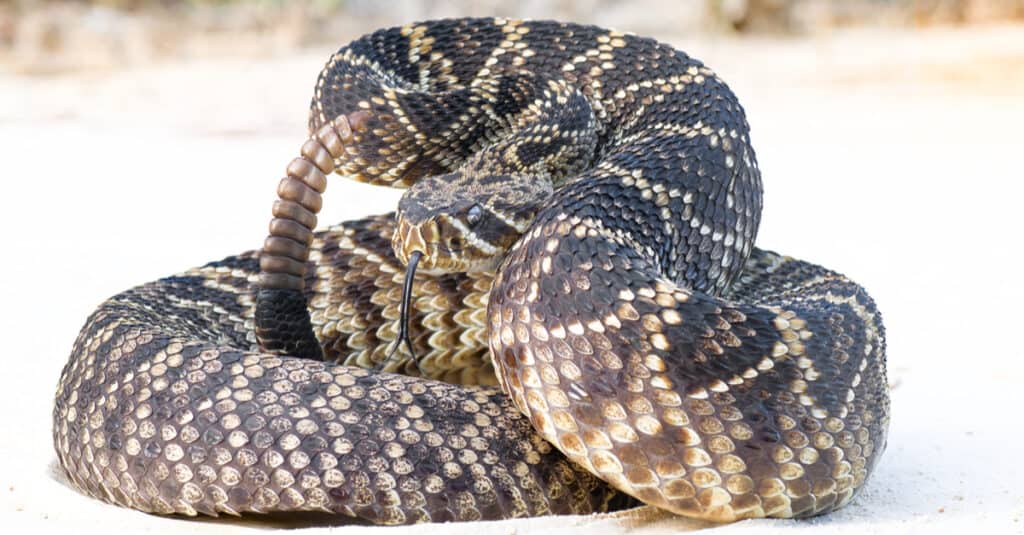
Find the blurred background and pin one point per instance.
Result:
(141, 137)
(40, 36)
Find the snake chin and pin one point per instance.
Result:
(439, 260)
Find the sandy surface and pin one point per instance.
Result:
(892, 157)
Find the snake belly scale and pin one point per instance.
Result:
(644, 348)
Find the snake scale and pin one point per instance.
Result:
(590, 324)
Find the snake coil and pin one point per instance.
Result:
(647, 350)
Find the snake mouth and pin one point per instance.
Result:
(436, 257)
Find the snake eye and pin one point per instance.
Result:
(474, 215)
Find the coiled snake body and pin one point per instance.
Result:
(631, 320)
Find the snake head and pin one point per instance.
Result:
(463, 223)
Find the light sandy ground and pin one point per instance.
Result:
(893, 157)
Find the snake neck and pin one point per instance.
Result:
(553, 136)
(466, 220)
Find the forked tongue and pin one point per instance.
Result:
(403, 325)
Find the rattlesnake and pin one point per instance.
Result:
(611, 182)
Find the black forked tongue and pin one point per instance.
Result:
(403, 320)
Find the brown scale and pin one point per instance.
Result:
(712, 409)
(168, 406)
(206, 393)
(119, 434)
